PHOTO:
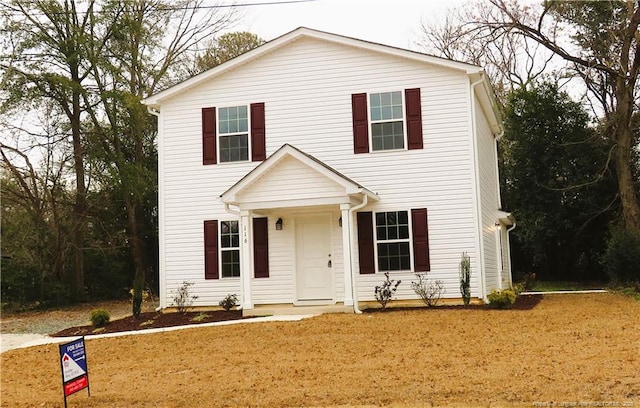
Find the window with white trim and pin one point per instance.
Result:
(230, 249)
(393, 241)
(233, 133)
(387, 120)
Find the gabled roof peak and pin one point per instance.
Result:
(304, 32)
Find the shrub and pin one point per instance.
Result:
(229, 301)
(100, 317)
(621, 259)
(182, 297)
(430, 291)
(502, 299)
(385, 292)
(465, 278)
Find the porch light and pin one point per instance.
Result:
(279, 224)
(497, 224)
(340, 222)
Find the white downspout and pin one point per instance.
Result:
(354, 287)
(161, 270)
(479, 230)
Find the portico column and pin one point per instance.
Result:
(246, 261)
(346, 250)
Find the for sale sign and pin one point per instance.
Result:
(73, 362)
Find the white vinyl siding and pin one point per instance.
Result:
(296, 83)
(489, 200)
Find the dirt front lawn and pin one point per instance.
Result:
(568, 349)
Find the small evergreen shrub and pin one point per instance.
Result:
(430, 291)
(465, 278)
(384, 293)
(621, 259)
(229, 301)
(502, 299)
(100, 317)
(182, 297)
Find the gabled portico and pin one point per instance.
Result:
(303, 192)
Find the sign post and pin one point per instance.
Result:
(73, 363)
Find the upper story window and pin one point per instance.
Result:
(392, 237)
(387, 120)
(233, 134)
(233, 130)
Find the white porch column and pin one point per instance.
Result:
(246, 261)
(346, 250)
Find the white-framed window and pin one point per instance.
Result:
(230, 249)
(393, 241)
(233, 133)
(386, 113)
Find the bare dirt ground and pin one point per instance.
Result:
(569, 349)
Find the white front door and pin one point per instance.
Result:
(314, 276)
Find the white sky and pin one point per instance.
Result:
(390, 22)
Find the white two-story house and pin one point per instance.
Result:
(302, 171)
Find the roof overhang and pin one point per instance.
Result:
(506, 218)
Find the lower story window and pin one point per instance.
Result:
(230, 249)
(392, 236)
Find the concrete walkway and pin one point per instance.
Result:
(16, 341)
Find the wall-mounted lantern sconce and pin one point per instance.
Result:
(340, 222)
(497, 224)
(279, 224)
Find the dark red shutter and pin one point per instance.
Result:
(420, 228)
(260, 248)
(258, 146)
(365, 243)
(211, 249)
(414, 118)
(360, 123)
(209, 154)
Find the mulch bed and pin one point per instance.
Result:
(152, 320)
(526, 302)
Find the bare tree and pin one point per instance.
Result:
(600, 42)
(93, 61)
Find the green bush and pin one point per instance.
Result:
(100, 317)
(502, 299)
(465, 278)
(621, 260)
(229, 301)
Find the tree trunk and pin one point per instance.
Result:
(76, 278)
(624, 162)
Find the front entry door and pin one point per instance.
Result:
(314, 279)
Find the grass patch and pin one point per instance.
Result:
(200, 317)
(552, 286)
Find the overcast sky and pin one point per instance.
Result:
(390, 22)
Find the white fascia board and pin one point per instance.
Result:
(303, 202)
(488, 102)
